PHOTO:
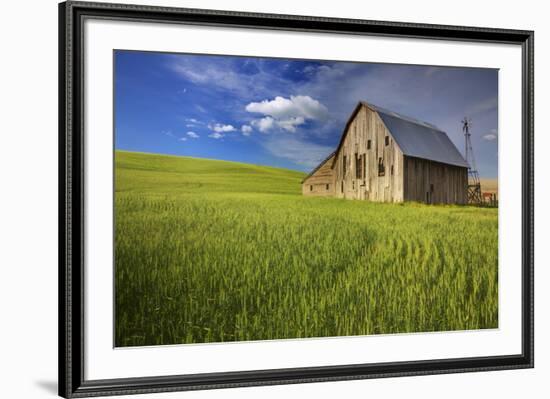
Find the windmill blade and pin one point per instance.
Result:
(466, 124)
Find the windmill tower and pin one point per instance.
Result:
(474, 186)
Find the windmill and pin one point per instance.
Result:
(474, 185)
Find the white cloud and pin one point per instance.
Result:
(246, 129)
(216, 135)
(287, 108)
(265, 124)
(220, 127)
(491, 136)
(182, 139)
(213, 74)
(193, 76)
(268, 123)
(192, 122)
(193, 135)
(290, 124)
(220, 73)
(287, 113)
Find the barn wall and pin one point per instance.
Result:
(367, 125)
(434, 182)
(321, 182)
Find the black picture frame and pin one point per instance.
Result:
(71, 200)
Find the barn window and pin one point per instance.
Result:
(368, 144)
(431, 188)
(344, 165)
(342, 187)
(381, 169)
(387, 140)
(364, 166)
(328, 186)
(310, 188)
(358, 167)
(392, 170)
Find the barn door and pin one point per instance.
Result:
(429, 197)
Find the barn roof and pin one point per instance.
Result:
(319, 166)
(415, 138)
(420, 139)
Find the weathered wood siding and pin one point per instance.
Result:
(434, 183)
(369, 184)
(354, 173)
(321, 182)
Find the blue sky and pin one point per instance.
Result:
(287, 113)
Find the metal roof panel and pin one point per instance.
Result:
(420, 139)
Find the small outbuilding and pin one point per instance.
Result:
(387, 157)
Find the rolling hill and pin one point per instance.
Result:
(164, 173)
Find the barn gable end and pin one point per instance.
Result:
(368, 163)
(320, 182)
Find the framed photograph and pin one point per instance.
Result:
(252, 199)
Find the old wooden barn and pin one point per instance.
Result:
(384, 156)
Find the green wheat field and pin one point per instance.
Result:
(215, 251)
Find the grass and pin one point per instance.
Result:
(214, 251)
